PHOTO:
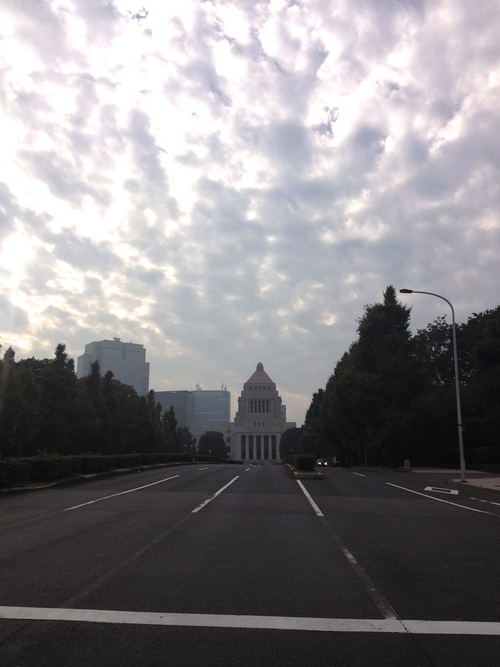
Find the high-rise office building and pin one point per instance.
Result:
(212, 409)
(259, 422)
(183, 404)
(127, 361)
(201, 410)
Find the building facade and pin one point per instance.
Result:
(182, 402)
(259, 423)
(200, 410)
(127, 361)
(212, 410)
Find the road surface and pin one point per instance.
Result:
(229, 566)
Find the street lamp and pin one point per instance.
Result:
(457, 385)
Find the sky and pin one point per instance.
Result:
(232, 182)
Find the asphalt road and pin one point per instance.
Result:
(241, 566)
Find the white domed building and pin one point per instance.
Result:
(259, 423)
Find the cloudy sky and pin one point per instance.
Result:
(230, 182)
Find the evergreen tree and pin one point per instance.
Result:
(21, 409)
(60, 430)
(483, 392)
(213, 444)
(290, 443)
(365, 411)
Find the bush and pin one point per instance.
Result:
(13, 472)
(303, 462)
(52, 468)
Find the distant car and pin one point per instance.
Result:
(322, 462)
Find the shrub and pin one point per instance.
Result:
(13, 472)
(304, 462)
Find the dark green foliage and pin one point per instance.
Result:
(212, 443)
(14, 473)
(365, 410)
(392, 396)
(169, 417)
(303, 462)
(21, 407)
(183, 440)
(49, 468)
(44, 407)
(290, 442)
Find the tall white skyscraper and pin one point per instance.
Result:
(127, 361)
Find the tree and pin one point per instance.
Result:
(21, 409)
(170, 418)
(60, 431)
(183, 440)
(364, 413)
(148, 428)
(482, 396)
(290, 442)
(213, 443)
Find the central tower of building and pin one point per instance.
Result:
(259, 422)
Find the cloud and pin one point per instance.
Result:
(229, 183)
(13, 319)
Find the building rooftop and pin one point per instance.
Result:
(260, 376)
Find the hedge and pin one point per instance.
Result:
(303, 462)
(50, 468)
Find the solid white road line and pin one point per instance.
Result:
(205, 502)
(252, 622)
(313, 504)
(440, 500)
(122, 493)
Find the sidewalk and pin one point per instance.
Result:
(474, 478)
(486, 483)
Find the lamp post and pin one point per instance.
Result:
(457, 385)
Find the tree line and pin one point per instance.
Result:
(44, 407)
(392, 396)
